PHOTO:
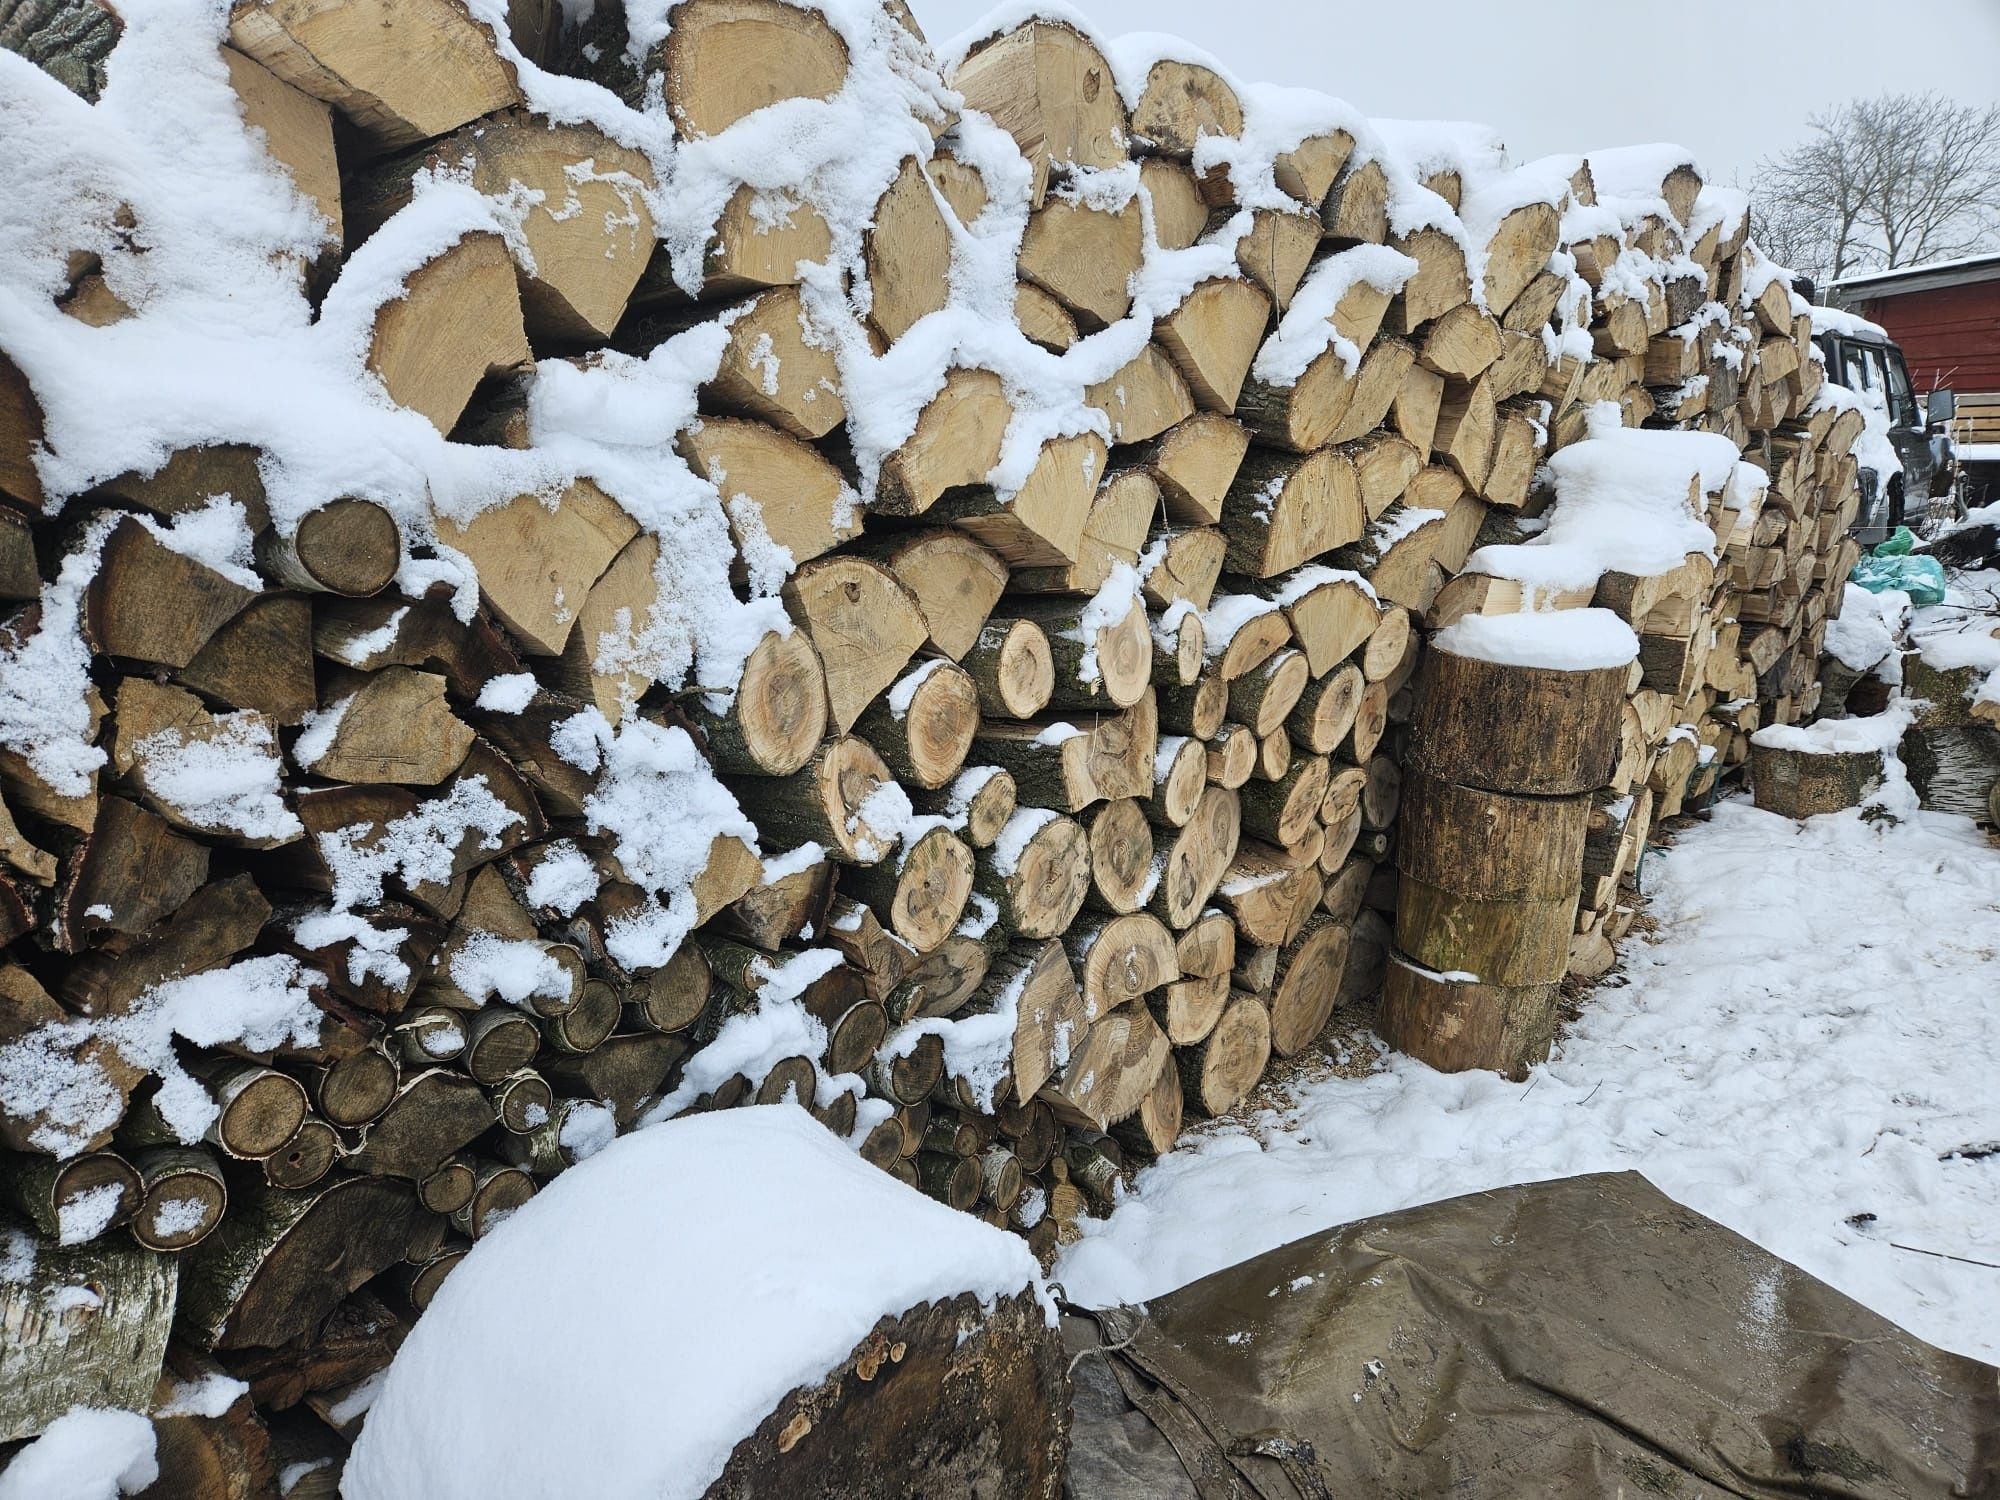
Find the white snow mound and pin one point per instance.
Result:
(668, 1312)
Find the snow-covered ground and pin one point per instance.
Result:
(1807, 1051)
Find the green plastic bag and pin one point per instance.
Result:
(1890, 566)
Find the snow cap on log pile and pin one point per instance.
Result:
(687, 1198)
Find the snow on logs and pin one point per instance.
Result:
(992, 638)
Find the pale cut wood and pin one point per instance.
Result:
(396, 728)
(1461, 343)
(1038, 871)
(977, 804)
(1268, 893)
(1121, 856)
(753, 247)
(1243, 632)
(1518, 251)
(153, 604)
(1188, 1008)
(923, 726)
(823, 803)
(956, 443)
(1356, 207)
(1283, 810)
(1053, 92)
(537, 560)
(1145, 397)
(1113, 533)
(1262, 698)
(1119, 958)
(922, 892)
(776, 490)
(1213, 336)
(1041, 524)
(1111, 1071)
(398, 72)
(1308, 170)
(1037, 981)
(1194, 463)
(1179, 647)
(1232, 755)
(298, 133)
(601, 659)
(724, 59)
(907, 252)
(1179, 212)
(1467, 424)
(770, 371)
(1085, 256)
(1326, 710)
(1440, 282)
(1013, 667)
(1331, 614)
(1309, 972)
(1416, 406)
(1219, 1071)
(864, 624)
(1181, 103)
(1103, 659)
(1197, 859)
(1042, 319)
(1157, 1125)
(1277, 251)
(777, 714)
(457, 323)
(588, 235)
(1183, 565)
(1180, 772)
(955, 580)
(1283, 511)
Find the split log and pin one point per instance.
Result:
(458, 322)
(1117, 959)
(977, 804)
(1188, 1008)
(535, 560)
(1180, 103)
(1277, 251)
(723, 59)
(1284, 511)
(1268, 893)
(1180, 773)
(1218, 1072)
(1085, 257)
(1144, 398)
(907, 251)
(1282, 811)
(1182, 565)
(1232, 756)
(153, 604)
(398, 73)
(1456, 1024)
(955, 580)
(1213, 336)
(827, 802)
(392, 726)
(1194, 462)
(778, 491)
(1041, 524)
(1051, 90)
(864, 624)
(280, 1262)
(1113, 533)
(1261, 699)
(1111, 1071)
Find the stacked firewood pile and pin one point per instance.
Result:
(1061, 808)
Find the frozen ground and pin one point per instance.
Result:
(1806, 1051)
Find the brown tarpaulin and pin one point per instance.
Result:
(1587, 1336)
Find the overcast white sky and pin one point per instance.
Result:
(1731, 80)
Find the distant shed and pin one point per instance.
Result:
(1946, 317)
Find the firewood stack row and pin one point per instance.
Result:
(1028, 820)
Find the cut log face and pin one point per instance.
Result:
(298, 133)
(1143, 398)
(1039, 872)
(1183, 102)
(907, 252)
(1309, 971)
(864, 624)
(1194, 462)
(780, 710)
(430, 349)
(1110, 1073)
(754, 248)
(1284, 511)
(396, 727)
(1331, 617)
(1053, 92)
(771, 372)
(1118, 959)
(956, 444)
(1213, 336)
(724, 59)
(778, 492)
(349, 547)
(399, 73)
(923, 726)
(1085, 257)
(1218, 1072)
(1013, 667)
(1194, 863)
(955, 580)
(536, 561)
(827, 802)
(1277, 251)
(926, 889)
(152, 604)
(1181, 565)
(1121, 856)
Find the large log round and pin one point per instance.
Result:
(1532, 730)
(1520, 941)
(1457, 1025)
(1490, 844)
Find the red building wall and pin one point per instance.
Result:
(1950, 336)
